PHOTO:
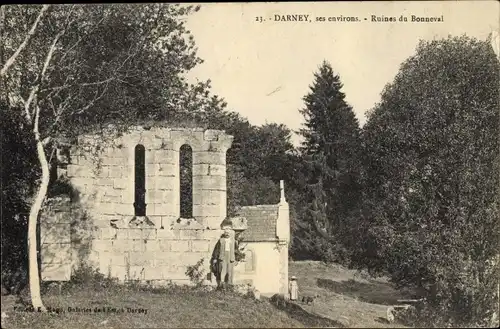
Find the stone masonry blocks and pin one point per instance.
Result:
(206, 211)
(190, 234)
(173, 273)
(205, 157)
(209, 183)
(200, 245)
(121, 234)
(134, 233)
(102, 245)
(166, 169)
(152, 246)
(137, 258)
(80, 171)
(152, 273)
(104, 182)
(111, 208)
(56, 254)
(114, 171)
(190, 258)
(161, 157)
(110, 191)
(179, 245)
(162, 183)
(120, 184)
(112, 160)
(152, 253)
(121, 246)
(149, 234)
(159, 196)
(161, 169)
(211, 135)
(208, 197)
(166, 258)
(118, 258)
(213, 222)
(55, 233)
(158, 209)
(165, 234)
(207, 169)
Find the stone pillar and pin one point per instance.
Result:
(209, 180)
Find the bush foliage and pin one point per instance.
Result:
(431, 217)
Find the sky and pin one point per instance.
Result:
(263, 69)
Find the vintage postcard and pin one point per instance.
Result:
(234, 165)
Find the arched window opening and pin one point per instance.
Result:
(186, 181)
(140, 181)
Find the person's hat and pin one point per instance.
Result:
(293, 277)
(226, 224)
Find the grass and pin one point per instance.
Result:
(345, 298)
(175, 307)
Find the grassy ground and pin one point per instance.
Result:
(346, 296)
(172, 308)
(345, 299)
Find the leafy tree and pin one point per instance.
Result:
(84, 65)
(11, 60)
(431, 216)
(331, 149)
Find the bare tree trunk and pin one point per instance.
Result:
(34, 279)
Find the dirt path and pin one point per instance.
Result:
(346, 296)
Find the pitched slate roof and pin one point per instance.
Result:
(261, 221)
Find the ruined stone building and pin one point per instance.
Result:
(129, 222)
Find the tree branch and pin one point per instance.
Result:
(23, 45)
(36, 130)
(80, 39)
(35, 88)
(96, 98)
(85, 84)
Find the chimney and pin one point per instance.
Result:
(283, 223)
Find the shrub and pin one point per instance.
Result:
(87, 276)
(196, 273)
(239, 251)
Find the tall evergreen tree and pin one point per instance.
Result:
(331, 148)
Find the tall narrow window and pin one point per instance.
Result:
(249, 261)
(186, 181)
(140, 181)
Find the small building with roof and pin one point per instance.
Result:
(265, 243)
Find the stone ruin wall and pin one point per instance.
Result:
(102, 172)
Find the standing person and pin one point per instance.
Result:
(224, 257)
(293, 288)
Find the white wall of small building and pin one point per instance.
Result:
(265, 273)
